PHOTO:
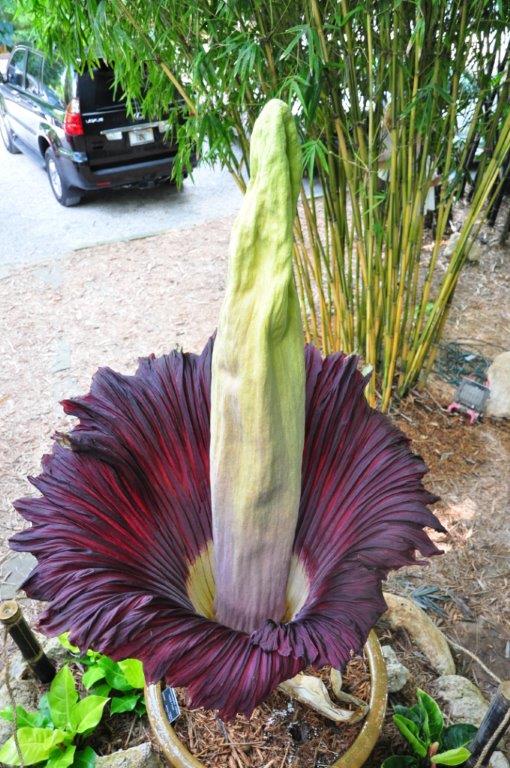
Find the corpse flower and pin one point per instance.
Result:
(228, 518)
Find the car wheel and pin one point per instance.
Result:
(58, 184)
(7, 135)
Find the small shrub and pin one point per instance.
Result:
(422, 726)
(52, 736)
(123, 680)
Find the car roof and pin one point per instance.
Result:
(32, 49)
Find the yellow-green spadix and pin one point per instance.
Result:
(258, 388)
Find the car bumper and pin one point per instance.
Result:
(78, 174)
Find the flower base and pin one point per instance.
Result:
(178, 755)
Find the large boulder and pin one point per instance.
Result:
(462, 700)
(498, 404)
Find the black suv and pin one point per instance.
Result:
(79, 128)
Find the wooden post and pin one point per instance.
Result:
(12, 618)
(492, 728)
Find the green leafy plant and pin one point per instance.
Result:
(53, 736)
(422, 726)
(123, 680)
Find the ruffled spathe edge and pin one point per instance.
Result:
(126, 512)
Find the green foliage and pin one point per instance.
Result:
(50, 736)
(14, 24)
(390, 99)
(53, 736)
(434, 716)
(132, 669)
(123, 680)
(401, 761)
(411, 733)
(36, 745)
(422, 726)
(455, 756)
(85, 759)
(458, 735)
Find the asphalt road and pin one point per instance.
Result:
(34, 228)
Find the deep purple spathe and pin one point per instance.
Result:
(125, 513)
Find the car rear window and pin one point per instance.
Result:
(97, 91)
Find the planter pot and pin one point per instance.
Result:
(178, 755)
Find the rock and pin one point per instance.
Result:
(18, 667)
(498, 760)
(398, 675)
(475, 252)
(13, 572)
(142, 756)
(449, 248)
(56, 651)
(498, 404)
(404, 614)
(465, 703)
(25, 693)
(6, 730)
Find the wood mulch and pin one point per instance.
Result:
(120, 732)
(281, 732)
(469, 470)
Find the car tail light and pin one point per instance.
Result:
(73, 125)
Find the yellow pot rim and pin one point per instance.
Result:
(179, 756)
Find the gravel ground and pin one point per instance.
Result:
(35, 228)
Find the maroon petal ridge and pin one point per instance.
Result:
(126, 512)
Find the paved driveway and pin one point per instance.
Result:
(35, 228)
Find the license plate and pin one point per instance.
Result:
(141, 136)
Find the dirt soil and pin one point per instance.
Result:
(470, 471)
(112, 304)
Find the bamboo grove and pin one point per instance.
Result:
(397, 102)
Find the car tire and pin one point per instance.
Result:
(58, 184)
(7, 135)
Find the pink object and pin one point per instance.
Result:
(473, 415)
